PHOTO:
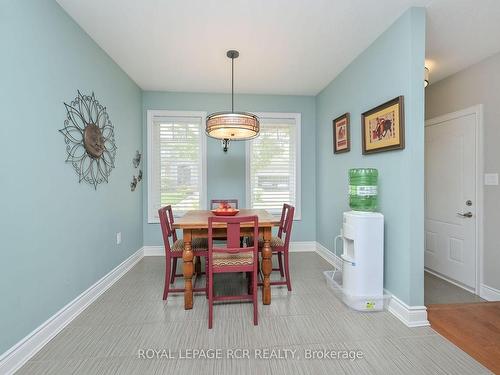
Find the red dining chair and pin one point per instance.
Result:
(174, 251)
(214, 203)
(232, 258)
(280, 245)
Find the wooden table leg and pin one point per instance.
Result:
(267, 267)
(187, 269)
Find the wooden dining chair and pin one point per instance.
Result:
(214, 203)
(174, 251)
(232, 258)
(280, 245)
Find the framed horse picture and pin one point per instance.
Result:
(383, 127)
(341, 134)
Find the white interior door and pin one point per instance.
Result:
(450, 193)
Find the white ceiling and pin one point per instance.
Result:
(460, 33)
(286, 46)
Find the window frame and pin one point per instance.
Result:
(298, 172)
(151, 115)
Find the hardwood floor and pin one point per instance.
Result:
(473, 327)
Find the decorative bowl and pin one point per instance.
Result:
(230, 212)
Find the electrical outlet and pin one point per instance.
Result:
(118, 238)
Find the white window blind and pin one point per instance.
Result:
(176, 149)
(273, 164)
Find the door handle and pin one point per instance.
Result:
(467, 214)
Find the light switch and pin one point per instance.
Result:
(491, 178)
(118, 238)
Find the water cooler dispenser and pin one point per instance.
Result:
(363, 260)
(359, 280)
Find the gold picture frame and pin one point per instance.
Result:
(382, 127)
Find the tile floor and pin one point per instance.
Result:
(438, 291)
(107, 337)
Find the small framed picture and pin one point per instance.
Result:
(383, 127)
(341, 134)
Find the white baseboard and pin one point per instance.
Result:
(302, 246)
(154, 251)
(295, 247)
(488, 293)
(411, 316)
(20, 353)
(329, 256)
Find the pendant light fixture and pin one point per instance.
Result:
(232, 126)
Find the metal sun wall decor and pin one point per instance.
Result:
(90, 141)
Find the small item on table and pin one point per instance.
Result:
(225, 209)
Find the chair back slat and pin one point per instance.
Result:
(286, 221)
(171, 222)
(214, 203)
(233, 235)
(233, 225)
(165, 214)
(282, 220)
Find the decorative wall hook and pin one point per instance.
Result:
(137, 159)
(135, 162)
(133, 184)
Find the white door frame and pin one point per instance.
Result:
(478, 111)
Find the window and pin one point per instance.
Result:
(176, 161)
(273, 163)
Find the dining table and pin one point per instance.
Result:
(194, 224)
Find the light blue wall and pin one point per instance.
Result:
(57, 236)
(226, 171)
(393, 65)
